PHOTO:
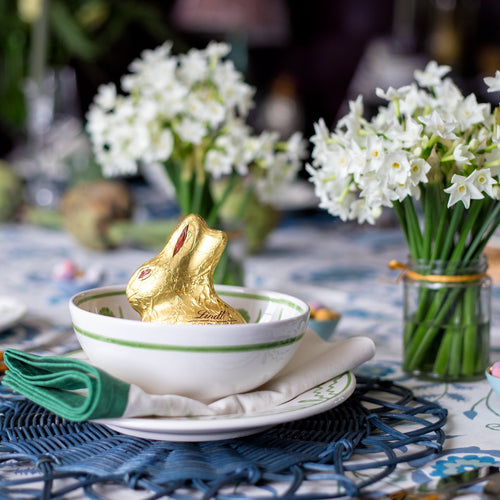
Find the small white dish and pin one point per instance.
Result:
(11, 311)
(212, 428)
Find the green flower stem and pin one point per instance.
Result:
(218, 204)
(442, 357)
(199, 187)
(437, 249)
(399, 211)
(459, 250)
(471, 331)
(483, 235)
(414, 234)
(422, 340)
(455, 326)
(456, 217)
(245, 201)
(429, 204)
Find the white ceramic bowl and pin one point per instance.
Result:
(205, 362)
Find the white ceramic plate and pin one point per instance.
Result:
(316, 400)
(11, 311)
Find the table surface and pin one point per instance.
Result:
(341, 265)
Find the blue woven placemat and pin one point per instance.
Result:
(382, 420)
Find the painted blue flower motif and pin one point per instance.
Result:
(374, 370)
(471, 414)
(456, 464)
(455, 396)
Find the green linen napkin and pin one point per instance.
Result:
(68, 387)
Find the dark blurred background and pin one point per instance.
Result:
(306, 59)
(318, 52)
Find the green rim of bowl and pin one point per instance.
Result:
(243, 295)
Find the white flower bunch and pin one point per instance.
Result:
(427, 133)
(190, 109)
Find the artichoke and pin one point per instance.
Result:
(90, 209)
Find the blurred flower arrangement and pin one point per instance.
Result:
(40, 34)
(433, 156)
(188, 113)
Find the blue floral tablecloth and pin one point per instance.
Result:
(343, 266)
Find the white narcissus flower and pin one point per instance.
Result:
(375, 151)
(296, 147)
(408, 135)
(163, 146)
(493, 82)
(218, 163)
(431, 75)
(463, 189)
(391, 93)
(106, 96)
(469, 112)
(419, 169)
(415, 98)
(217, 50)
(435, 123)
(484, 181)
(462, 155)
(190, 130)
(363, 212)
(395, 169)
(193, 67)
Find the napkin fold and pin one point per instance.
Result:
(78, 391)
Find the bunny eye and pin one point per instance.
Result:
(144, 274)
(181, 239)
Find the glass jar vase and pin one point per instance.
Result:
(447, 311)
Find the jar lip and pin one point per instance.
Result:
(470, 262)
(448, 268)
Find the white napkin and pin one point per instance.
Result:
(316, 361)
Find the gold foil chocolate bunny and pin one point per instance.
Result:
(177, 286)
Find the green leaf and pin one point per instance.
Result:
(69, 32)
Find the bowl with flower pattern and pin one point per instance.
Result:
(204, 362)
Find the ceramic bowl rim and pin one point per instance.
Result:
(300, 306)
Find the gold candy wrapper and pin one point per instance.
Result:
(177, 285)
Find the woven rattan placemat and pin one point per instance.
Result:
(351, 446)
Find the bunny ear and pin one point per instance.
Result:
(181, 239)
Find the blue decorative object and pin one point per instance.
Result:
(494, 382)
(382, 419)
(325, 329)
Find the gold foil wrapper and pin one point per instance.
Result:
(177, 285)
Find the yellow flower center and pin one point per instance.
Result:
(396, 165)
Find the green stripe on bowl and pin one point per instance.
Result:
(99, 296)
(263, 298)
(187, 348)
